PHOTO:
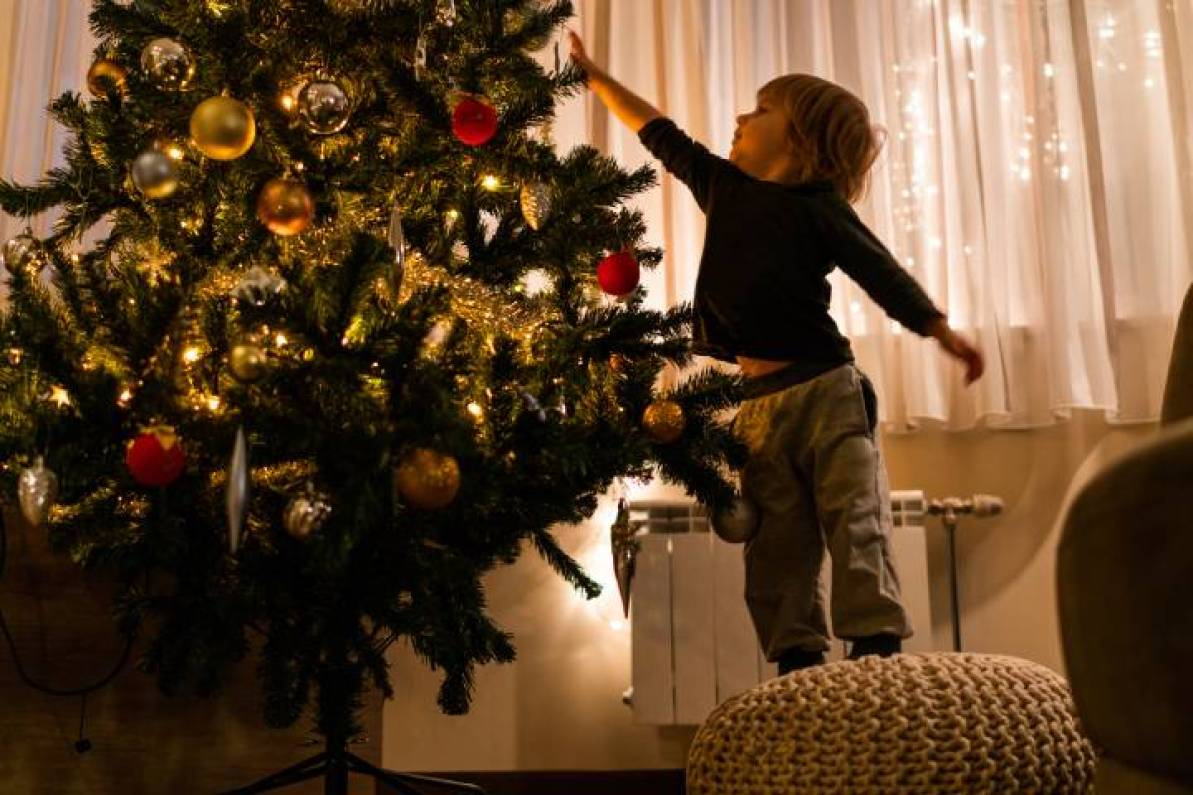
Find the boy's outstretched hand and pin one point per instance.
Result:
(579, 54)
(959, 348)
(630, 109)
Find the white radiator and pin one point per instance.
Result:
(693, 645)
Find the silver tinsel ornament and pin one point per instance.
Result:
(738, 523)
(237, 492)
(397, 241)
(324, 107)
(155, 174)
(37, 488)
(625, 553)
(259, 286)
(167, 64)
(23, 253)
(306, 513)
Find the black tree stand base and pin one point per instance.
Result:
(337, 762)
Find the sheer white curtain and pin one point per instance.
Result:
(47, 53)
(1036, 180)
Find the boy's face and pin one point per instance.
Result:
(762, 146)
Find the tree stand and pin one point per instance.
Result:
(336, 763)
(340, 685)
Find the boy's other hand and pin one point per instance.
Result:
(959, 348)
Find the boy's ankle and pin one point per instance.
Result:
(883, 644)
(795, 659)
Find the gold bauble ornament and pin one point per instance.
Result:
(101, 72)
(428, 479)
(306, 513)
(247, 362)
(285, 207)
(664, 421)
(223, 128)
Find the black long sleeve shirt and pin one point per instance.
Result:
(762, 290)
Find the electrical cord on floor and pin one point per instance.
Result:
(82, 744)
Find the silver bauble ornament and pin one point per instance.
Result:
(167, 64)
(237, 492)
(536, 204)
(155, 174)
(23, 253)
(324, 107)
(37, 489)
(738, 523)
(306, 513)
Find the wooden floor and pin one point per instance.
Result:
(142, 742)
(619, 782)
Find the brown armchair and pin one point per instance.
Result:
(1125, 587)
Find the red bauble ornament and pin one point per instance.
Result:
(155, 458)
(618, 273)
(474, 121)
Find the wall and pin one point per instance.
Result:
(559, 705)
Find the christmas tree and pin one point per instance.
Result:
(346, 341)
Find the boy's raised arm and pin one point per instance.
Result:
(688, 160)
(632, 110)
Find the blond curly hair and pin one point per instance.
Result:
(831, 129)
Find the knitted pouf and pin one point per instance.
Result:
(913, 723)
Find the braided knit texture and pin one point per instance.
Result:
(913, 723)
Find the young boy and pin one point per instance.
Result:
(778, 221)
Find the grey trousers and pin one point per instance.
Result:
(818, 480)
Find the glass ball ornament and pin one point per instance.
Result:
(737, 523)
(285, 207)
(223, 128)
(324, 107)
(306, 513)
(155, 174)
(664, 421)
(474, 121)
(428, 479)
(156, 457)
(104, 73)
(618, 273)
(167, 64)
(23, 254)
(247, 361)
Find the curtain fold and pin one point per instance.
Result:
(47, 53)
(1036, 178)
